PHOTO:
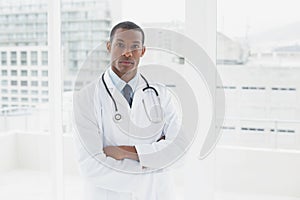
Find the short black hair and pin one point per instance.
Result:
(127, 25)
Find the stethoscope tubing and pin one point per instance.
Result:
(113, 99)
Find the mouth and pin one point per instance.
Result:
(126, 62)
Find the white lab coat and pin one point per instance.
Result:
(110, 179)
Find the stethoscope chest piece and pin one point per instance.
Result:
(117, 117)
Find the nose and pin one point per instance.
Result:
(127, 53)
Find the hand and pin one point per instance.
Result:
(121, 152)
(115, 152)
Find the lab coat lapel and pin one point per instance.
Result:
(138, 91)
(117, 95)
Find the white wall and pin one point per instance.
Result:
(257, 171)
(238, 170)
(32, 151)
(8, 152)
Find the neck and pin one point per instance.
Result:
(125, 76)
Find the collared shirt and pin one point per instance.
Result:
(120, 84)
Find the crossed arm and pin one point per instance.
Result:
(124, 152)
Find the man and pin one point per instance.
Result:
(118, 159)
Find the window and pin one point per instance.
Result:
(14, 99)
(23, 58)
(24, 91)
(14, 83)
(34, 92)
(4, 99)
(68, 83)
(44, 73)
(23, 72)
(4, 82)
(14, 91)
(24, 99)
(3, 58)
(34, 73)
(44, 100)
(44, 58)
(24, 83)
(34, 83)
(4, 91)
(14, 72)
(35, 100)
(4, 106)
(45, 83)
(13, 58)
(44, 92)
(3, 72)
(246, 51)
(33, 58)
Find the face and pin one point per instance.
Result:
(125, 50)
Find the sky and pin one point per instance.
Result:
(153, 10)
(237, 16)
(234, 17)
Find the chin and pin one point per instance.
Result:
(128, 69)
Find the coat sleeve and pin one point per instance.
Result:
(168, 151)
(93, 164)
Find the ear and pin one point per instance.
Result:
(108, 46)
(143, 51)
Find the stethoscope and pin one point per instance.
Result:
(118, 116)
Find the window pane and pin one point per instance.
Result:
(34, 91)
(4, 72)
(23, 72)
(34, 58)
(14, 73)
(3, 58)
(23, 83)
(23, 58)
(44, 73)
(14, 83)
(4, 82)
(249, 49)
(4, 91)
(44, 83)
(13, 58)
(24, 91)
(34, 73)
(34, 83)
(26, 169)
(44, 58)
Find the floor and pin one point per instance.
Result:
(35, 185)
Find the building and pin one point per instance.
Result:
(24, 76)
(230, 51)
(23, 44)
(262, 101)
(166, 42)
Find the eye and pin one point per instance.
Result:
(121, 45)
(135, 47)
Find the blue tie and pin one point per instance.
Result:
(127, 91)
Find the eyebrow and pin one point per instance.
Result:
(120, 40)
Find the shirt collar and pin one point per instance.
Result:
(119, 83)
